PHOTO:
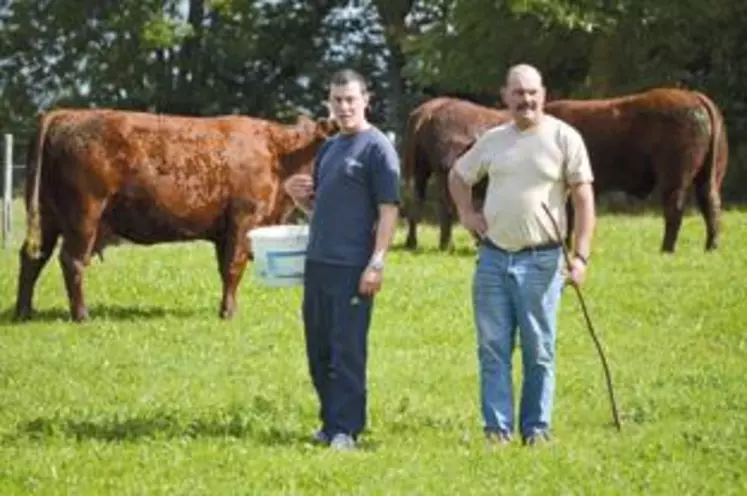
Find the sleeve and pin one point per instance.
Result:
(472, 166)
(577, 164)
(385, 173)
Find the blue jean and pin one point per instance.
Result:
(511, 290)
(336, 322)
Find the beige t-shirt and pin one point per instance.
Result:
(525, 169)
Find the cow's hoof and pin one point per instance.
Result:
(23, 315)
(226, 313)
(80, 315)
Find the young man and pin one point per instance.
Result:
(354, 196)
(532, 160)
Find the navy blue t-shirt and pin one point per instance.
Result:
(353, 175)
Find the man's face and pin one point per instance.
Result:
(348, 103)
(525, 97)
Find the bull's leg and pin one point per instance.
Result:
(674, 208)
(709, 204)
(415, 211)
(446, 214)
(232, 253)
(75, 256)
(31, 268)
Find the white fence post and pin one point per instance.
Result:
(8, 191)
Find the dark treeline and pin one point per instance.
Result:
(271, 58)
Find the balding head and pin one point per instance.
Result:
(525, 74)
(524, 94)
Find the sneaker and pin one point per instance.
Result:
(320, 437)
(537, 438)
(342, 442)
(497, 437)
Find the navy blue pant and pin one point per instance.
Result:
(336, 321)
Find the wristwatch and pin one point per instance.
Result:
(377, 265)
(377, 262)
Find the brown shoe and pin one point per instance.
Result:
(497, 437)
(537, 438)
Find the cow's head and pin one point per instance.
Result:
(297, 152)
(321, 128)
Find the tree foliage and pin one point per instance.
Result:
(272, 58)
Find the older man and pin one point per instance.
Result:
(534, 159)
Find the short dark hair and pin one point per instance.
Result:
(346, 76)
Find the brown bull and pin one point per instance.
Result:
(666, 138)
(438, 132)
(95, 176)
(669, 138)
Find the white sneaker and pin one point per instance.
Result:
(342, 442)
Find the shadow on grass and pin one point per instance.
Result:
(157, 425)
(256, 422)
(104, 313)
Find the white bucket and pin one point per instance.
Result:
(279, 254)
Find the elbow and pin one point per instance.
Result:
(454, 180)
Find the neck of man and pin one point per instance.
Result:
(356, 128)
(524, 124)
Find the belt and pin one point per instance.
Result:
(550, 245)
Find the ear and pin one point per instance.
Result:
(504, 95)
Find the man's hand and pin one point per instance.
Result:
(475, 223)
(577, 273)
(370, 282)
(300, 187)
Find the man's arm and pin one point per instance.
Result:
(582, 196)
(386, 228)
(461, 192)
(467, 170)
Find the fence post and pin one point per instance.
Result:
(8, 190)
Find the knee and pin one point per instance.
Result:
(539, 354)
(494, 350)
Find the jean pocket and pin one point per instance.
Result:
(547, 260)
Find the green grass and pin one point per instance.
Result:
(156, 395)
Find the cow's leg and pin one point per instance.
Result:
(415, 211)
(30, 268)
(673, 201)
(709, 204)
(446, 214)
(232, 252)
(75, 256)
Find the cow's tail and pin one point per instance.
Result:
(33, 190)
(711, 165)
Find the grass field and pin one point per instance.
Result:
(156, 395)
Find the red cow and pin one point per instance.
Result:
(665, 137)
(438, 132)
(95, 176)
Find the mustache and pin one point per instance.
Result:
(525, 106)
